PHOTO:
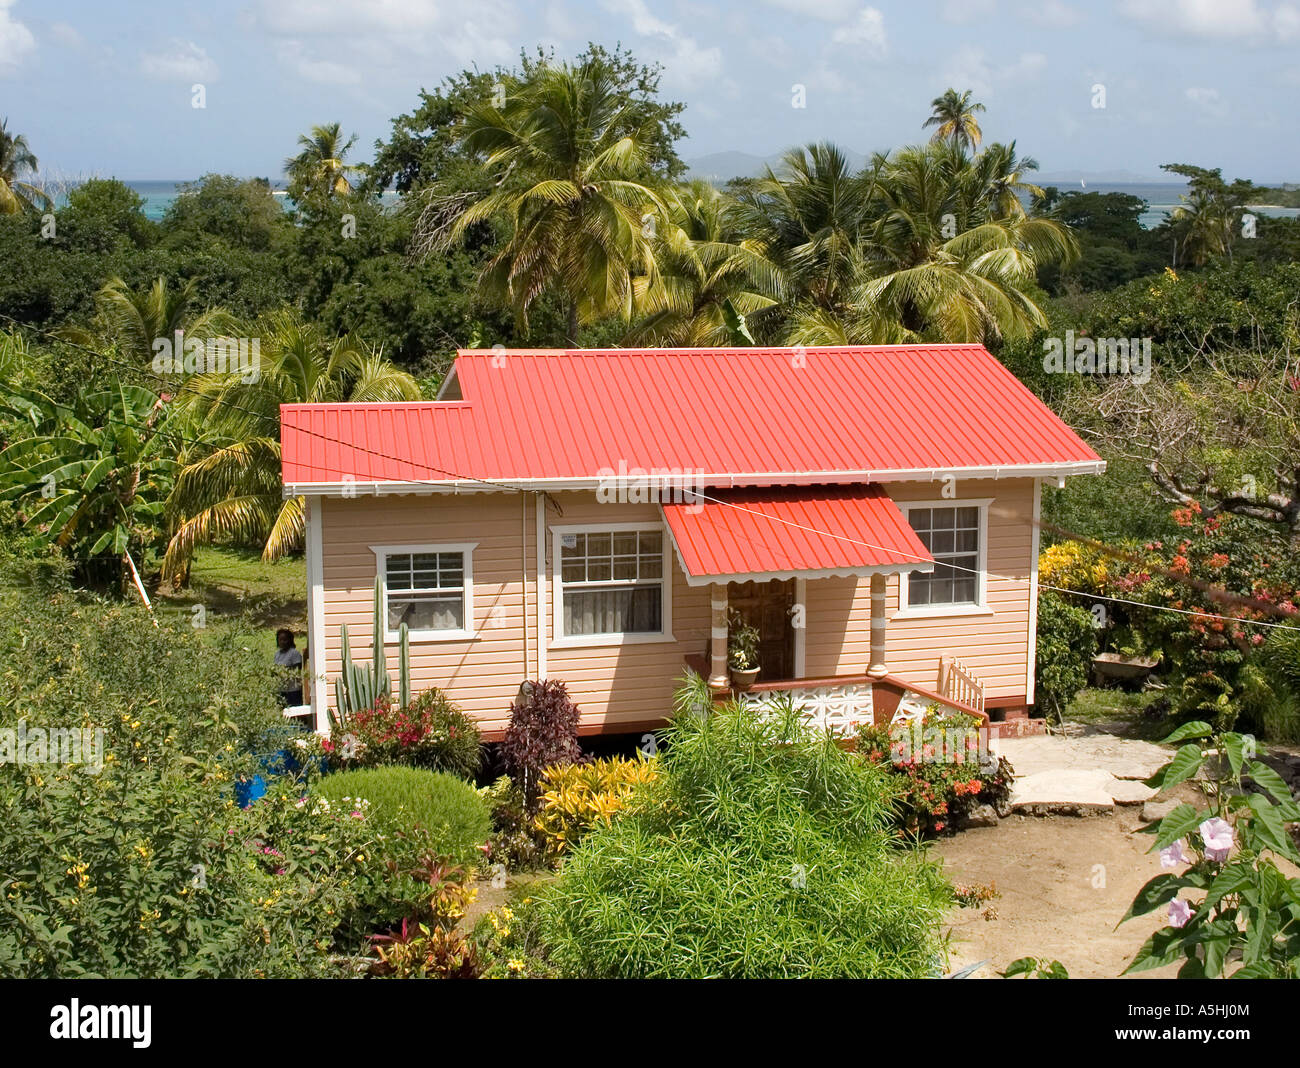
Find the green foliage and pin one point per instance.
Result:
(361, 688)
(420, 812)
(1246, 911)
(516, 842)
(762, 850)
(1067, 642)
(147, 868)
(1035, 968)
(938, 769)
(742, 642)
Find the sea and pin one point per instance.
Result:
(1161, 197)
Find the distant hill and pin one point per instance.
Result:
(723, 166)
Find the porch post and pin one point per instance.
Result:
(877, 669)
(719, 681)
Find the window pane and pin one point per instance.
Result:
(598, 544)
(426, 613)
(598, 571)
(963, 590)
(625, 567)
(942, 518)
(652, 567)
(625, 544)
(918, 589)
(615, 610)
(968, 517)
(919, 518)
(578, 546)
(652, 541)
(573, 572)
(941, 541)
(966, 541)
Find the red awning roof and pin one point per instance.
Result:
(815, 531)
(731, 417)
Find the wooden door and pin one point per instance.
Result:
(768, 606)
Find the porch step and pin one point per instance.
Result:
(1018, 728)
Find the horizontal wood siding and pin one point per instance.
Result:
(623, 687)
(616, 687)
(995, 647)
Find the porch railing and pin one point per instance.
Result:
(958, 683)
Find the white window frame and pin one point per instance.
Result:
(466, 550)
(560, 640)
(939, 611)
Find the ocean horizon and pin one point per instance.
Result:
(1161, 197)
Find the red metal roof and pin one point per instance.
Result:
(750, 416)
(765, 533)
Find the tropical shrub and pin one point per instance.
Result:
(516, 842)
(938, 769)
(429, 946)
(509, 941)
(543, 732)
(576, 797)
(1067, 642)
(1246, 910)
(137, 862)
(430, 732)
(421, 811)
(761, 849)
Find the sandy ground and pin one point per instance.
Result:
(1065, 882)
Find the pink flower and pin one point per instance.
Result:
(1173, 855)
(1180, 912)
(1218, 838)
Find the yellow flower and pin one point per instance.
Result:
(516, 965)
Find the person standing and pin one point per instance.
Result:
(289, 660)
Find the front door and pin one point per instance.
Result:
(768, 606)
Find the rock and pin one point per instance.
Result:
(1130, 792)
(1004, 808)
(982, 816)
(1154, 811)
(1067, 791)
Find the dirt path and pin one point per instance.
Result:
(1065, 883)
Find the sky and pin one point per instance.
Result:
(108, 89)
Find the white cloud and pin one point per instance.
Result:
(866, 32)
(1054, 14)
(970, 68)
(962, 12)
(16, 41)
(1207, 101)
(67, 36)
(687, 63)
(293, 55)
(182, 61)
(822, 10)
(1239, 20)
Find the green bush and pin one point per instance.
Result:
(762, 849)
(137, 863)
(1067, 642)
(423, 811)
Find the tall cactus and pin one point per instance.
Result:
(360, 686)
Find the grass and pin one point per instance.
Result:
(1118, 711)
(237, 585)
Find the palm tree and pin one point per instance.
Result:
(711, 276)
(16, 159)
(135, 320)
(1206, 221)
(810, 215)
(953, 116)
(230, 486)
(319, 168)
(573, 187)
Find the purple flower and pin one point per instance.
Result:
(1180, 912)
(1173, 855)
(1218, 838)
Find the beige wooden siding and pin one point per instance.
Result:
(995, 647)
(623, 687)
(616, 687)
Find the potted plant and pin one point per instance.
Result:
(742, 650)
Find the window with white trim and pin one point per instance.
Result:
(429, 588)
(952, 534)
(611, 582)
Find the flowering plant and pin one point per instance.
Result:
(1247, 911)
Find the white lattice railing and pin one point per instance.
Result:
(841, 708)
(958, 684)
